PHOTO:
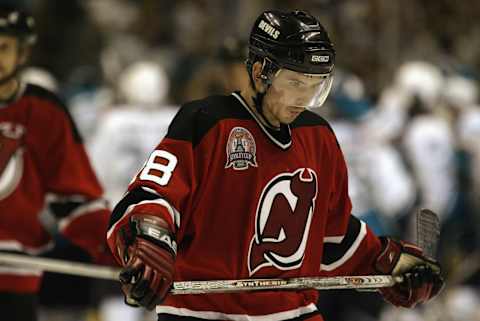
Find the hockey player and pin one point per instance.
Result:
(130, 130)
(43, 164)
(255, 185)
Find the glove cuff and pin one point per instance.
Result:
(389, 256)
(155, 230)
(148, 227)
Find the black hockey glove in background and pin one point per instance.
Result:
(149, 259)
(422, 278)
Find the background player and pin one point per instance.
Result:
(43, 166)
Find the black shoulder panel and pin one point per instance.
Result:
(44, 94)
(308, 118)
(196, 118)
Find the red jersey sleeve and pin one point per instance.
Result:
(164, 185)
(74, 195)
(350, 247)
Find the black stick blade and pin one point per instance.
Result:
(428, 232)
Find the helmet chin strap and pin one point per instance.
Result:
(258, 98)
(258, 101)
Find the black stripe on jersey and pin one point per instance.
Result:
(196, 118)
(63, 209)
(308, 118)
(333, 252)
(173, 317)
(135, 196)
(51, 98)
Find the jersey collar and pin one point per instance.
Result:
(284, 143)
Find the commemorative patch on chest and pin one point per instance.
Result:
(241, 149)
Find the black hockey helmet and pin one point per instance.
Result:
(292, 40)
(18, 23)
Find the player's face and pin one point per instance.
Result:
(9, 55)
(292, 92)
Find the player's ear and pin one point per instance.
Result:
(257, 77)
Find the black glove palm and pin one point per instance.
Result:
(422, 278)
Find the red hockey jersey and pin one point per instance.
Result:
(42, 156)
(250, 202)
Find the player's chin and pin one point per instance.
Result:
(292, 115)
(287, 120)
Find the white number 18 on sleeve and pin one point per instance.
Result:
(166, 169)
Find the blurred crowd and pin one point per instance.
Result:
(404, 106)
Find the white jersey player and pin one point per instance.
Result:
(462, 96)
(429, 146)
(425, 137)
(129, 132)
(128, 135)
(379, 192)
(387, 187)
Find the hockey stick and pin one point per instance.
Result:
(192, 287)
(427, 233)
(59, 266)
(319, 283)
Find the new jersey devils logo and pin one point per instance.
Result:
(283, 218)
(11, 157)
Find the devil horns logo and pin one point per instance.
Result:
(283, 218)
(11, 157)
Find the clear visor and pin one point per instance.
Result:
(302, 90)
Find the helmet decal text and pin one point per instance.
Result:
(269, 29)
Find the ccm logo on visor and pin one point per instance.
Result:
(319, 59)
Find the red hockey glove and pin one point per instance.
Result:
(421, 276)
(149, 257)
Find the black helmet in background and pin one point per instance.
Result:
(18, 23)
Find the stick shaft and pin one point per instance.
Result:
(196, 287)
(60, 266)
(319, 283)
